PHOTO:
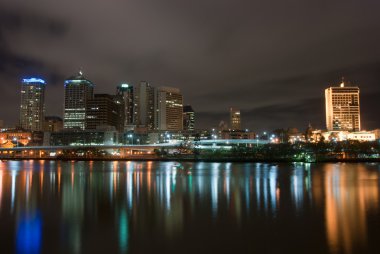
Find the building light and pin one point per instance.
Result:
(33, 80)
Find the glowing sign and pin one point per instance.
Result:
(124, 85)
(33, 80)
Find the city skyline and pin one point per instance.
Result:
(133, 97)
(260, 59)
(155, 92)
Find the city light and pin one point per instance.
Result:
(33, 80)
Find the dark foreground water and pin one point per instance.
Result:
(168, 207)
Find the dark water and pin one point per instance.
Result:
(167, 207)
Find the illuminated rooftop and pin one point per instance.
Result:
(33, 81)
(79, 78)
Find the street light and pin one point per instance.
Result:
(16, 140)
(168, 137)
(131, 137)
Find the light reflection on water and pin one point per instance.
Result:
(139, 207)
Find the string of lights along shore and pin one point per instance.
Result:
(145, 114)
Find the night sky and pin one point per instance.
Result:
(272, 59)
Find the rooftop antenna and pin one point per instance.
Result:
(342, 83)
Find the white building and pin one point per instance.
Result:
(361, 136)
(342, 108)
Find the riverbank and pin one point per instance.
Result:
(196, 159)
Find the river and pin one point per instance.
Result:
(173, 207)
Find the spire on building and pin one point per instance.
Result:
(342, 83)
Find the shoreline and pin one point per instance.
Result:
(224, 160)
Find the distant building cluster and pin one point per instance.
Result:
(142, 113)
(131, 107)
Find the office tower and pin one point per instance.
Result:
(144, 105)
(235, 121)
(103, 110)
(188, 118)
(78, 90)
(53, 124)
(168, 109)
(126, 95)
(32, 106)
(342, 108)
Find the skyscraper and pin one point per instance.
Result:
(32, 108)
(342, 108)
(188, 118)
(168, 109)
(78, 90)
(235, 122)
(103, 110)
(127, 94)
(144, 105)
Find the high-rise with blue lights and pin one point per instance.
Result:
(78, 91)
(32, 108)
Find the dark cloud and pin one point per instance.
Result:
(273, 59)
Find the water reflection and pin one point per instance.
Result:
(350, 192)
(147, 206)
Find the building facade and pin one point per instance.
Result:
(104, 110)
(32, 108)
(342, 108)
(53, 124)
(235, 121)
(168, 109)
(144, 105)
(126, 93)
(188, 118)
(78, 91)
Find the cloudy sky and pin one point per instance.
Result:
(272, 59)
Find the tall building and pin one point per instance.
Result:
(168, 109)
(144, 105)
(78, 90)
(235, 121)
(342, 108)
(188, 118)
(126, 93)
(103, 110)
(32, 106)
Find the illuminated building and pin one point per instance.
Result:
(144, 105)
(361, 136)
(168, 109)
(53, 123)
(18, 137)
(188, 118)
(103, 110)
(32, 106)
(78, 90)
(342, 108)
(126, 93)
(235, 122)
